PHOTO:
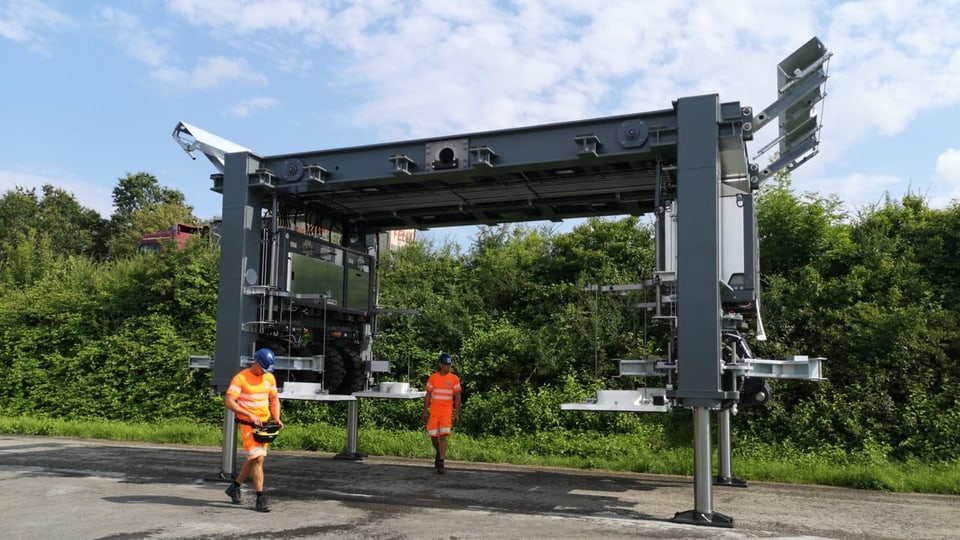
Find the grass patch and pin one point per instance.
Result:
(869, 469)
(172, 431)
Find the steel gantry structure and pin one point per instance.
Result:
(688, 164)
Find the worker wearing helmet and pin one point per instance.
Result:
(442, 402)
(252, 395)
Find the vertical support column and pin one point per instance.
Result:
(239, 266)
(698, 292)
(702, 494)
(228, 459)
(353, 422)
(724, 469)
(723, 446)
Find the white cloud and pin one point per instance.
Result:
(433, 65)
(948, 166)
(249, 106)
(218, 70)
(897, 59)
(402, 68)
(209, 73)
(418, 68)
(947, 177)
(146, 45)
(32, 23)
(150, 46)
(254, 15)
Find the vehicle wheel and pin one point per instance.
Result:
(333, 370)
(354, 379)
(307, 376)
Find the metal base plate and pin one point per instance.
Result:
(729, 481)
(713, 519)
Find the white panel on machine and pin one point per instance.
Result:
(731, 239)
(670, 239)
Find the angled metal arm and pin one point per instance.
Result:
(216, 148)
(800, 78)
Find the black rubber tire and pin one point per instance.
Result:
(354, 379)
(302, 375)
(333, 370)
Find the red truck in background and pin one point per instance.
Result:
(180, 233)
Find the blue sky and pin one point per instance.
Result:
(92, 90)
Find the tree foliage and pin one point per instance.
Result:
(142, 206)
(76, 328)
(55, 215)
(886, 324)
(876, 294)
(94, 339)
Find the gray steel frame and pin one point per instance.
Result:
(598, 167)
(693, 153)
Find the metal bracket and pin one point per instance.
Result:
(483, 156)
(217, 179)
(315, 173)
(263, 178)
(639, 400)
(402, 164)
(590, 145)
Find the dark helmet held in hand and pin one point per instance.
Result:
(266, 433)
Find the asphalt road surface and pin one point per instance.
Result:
(54, 488)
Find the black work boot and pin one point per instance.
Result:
(440, 469)
(234, 492)
(262, 504)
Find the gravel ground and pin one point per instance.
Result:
(67, 488)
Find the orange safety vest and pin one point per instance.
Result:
(441, 388)
(253, 393)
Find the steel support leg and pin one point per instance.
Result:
(724, 474)
(353, 421)
(702, 513)
(228, 458)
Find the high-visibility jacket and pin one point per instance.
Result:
(253, 393)
(441, 388)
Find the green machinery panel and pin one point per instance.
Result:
(358, 281)
(309, 265)
(308, 275)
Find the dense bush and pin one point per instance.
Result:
(110, 340)
(875, 294)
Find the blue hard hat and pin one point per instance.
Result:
(445, 358)
(265, 359)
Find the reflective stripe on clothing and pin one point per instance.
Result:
(253, 393)
(442, 388)
(440, 422)
(253, 448)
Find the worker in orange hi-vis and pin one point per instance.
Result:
(442, 402)
(252, 395)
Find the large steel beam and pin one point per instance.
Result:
(239, 267)
(239, 255)
(698, 293)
